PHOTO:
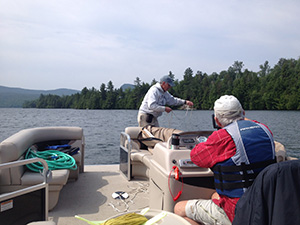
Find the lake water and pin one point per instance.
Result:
(102, 127)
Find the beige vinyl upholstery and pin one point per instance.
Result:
(14, 148)
(140, 159)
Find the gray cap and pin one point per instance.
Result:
(168, 80)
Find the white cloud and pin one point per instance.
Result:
(88, 42)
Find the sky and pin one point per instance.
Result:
(50, 44)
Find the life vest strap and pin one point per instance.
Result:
(234, 177)
(234, 168)
(243, 177)
(234, 185)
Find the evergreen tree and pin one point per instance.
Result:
(276, 88)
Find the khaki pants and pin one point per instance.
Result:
(161, 133)
(142, 117)
(206, 212)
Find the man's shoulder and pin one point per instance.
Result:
(156, 88)
(220, 133)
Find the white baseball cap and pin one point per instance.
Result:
(228, 106)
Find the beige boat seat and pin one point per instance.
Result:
(143, 141)
(140, 158)
(14, 148)
(138, 154)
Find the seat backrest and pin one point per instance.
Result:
(14, 147)
(133, 132)
(280, 152)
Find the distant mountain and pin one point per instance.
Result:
(126, 86)
(15, 97)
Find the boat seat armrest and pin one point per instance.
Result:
(133, 132)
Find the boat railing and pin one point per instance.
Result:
(7, 199)
(125, 154)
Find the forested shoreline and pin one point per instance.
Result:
(276, 88)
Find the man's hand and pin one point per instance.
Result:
(168, 109)
(189, 103)
(215, 195)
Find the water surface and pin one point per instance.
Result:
(102, 127)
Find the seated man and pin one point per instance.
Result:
(236, 154)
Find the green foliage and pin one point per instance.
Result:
(275, 88)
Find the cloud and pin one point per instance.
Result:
(73, 44)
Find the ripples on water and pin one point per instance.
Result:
(102, 127)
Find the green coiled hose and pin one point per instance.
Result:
(55, 159)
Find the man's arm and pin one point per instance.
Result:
(218, 147)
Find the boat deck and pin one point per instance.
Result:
(90, 196)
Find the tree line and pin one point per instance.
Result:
(276, 88)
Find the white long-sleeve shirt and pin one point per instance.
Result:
(155, 100)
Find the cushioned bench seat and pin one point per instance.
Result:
(140, 158)
(14, 148)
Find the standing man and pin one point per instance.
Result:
(236, 154)
(155, 100)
